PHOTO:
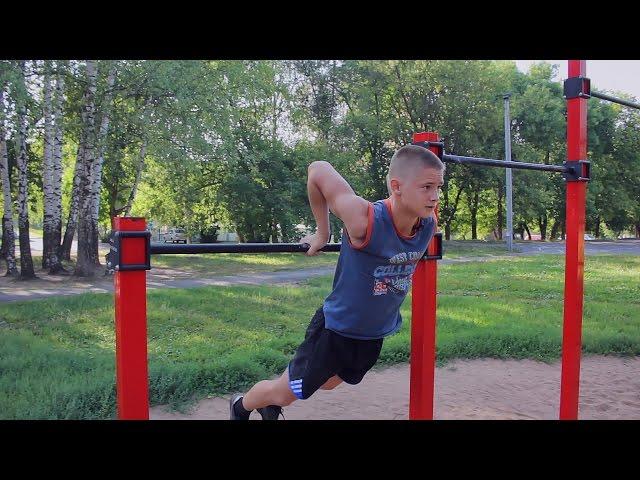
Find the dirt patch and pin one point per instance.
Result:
(487, 389)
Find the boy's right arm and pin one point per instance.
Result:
(329, 191)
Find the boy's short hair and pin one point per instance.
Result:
(408, 158)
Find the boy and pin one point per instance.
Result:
(381, 246)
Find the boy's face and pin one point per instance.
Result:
(420, 191)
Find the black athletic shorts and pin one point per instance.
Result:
(324, 353)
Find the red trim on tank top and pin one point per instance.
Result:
(387, 203)
(369, 230)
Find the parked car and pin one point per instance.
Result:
(176, 235)
(589, 237)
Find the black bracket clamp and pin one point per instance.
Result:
(426, 144)
(114, 260)
(577, 87)
(437, 241)
(578, 171)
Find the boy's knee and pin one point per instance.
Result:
(283, 394)
(286, 397)
(288, 401)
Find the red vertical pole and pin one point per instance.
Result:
(423, 325)
(132, 381)
(574, 267)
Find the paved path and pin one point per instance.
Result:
(623, 247)
(47, 287)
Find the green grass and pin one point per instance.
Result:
(57, 355)
(473, 248)
(513, 309)
(35, 232)
(37, 263)
(232, 263)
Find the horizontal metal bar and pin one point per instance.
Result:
(162, 248)
(615, 100)
(489, 162)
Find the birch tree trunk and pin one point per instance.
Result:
(47, 169)
(139, 168)
(56, 175)
(26, 262)
(141, 158)
(72, 219)
(85, 264)
(96, 174)
(9, 242)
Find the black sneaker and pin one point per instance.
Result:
(271, 412)
(232, 402)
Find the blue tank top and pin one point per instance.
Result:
(372, 279)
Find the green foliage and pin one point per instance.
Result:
(228, 142)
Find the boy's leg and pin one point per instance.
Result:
(278, 392)
(312, 364)
(273, 410)
(269, 392)
(332, 383)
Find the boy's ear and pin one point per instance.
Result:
(395, 186)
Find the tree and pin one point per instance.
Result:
(96, 169)
(539, 123)
(51, 172)
(79, 128)
(177, 152)
(55, 265)
(8, 236)
(620, 199)
(26, 262)
(85, 263)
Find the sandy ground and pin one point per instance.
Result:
(483, 389)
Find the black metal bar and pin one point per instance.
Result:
(160, 248)
(489, 162)
(615, 100)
